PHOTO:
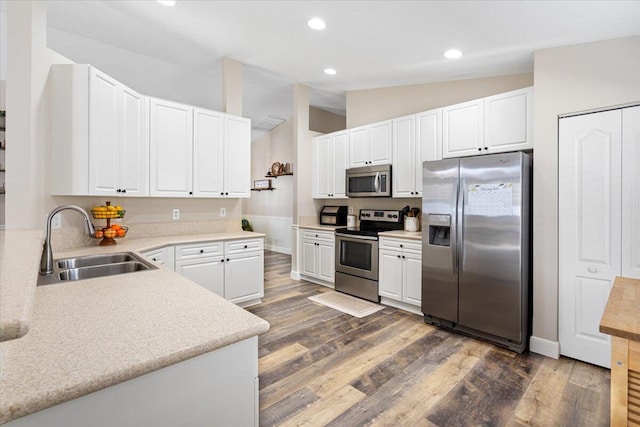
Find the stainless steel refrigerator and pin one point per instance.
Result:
(475, 246)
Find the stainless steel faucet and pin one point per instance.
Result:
(46, 261)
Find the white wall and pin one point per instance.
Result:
(568, 79)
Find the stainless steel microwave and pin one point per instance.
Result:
(369, 181)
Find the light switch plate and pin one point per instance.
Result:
(350, 210)
(223, 212)
(176, 214)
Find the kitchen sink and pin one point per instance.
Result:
(92, 266)
(91, 260)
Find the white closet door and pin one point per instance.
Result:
(631, 192)
(589, 228)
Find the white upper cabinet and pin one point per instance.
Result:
(429, 136)
(329, 165)
(208, 149)
(508, 119)
(171, 147)
(98, 134)
(406, 151)
(197, 152)
(370, 144)
(237, 157)
(494, 124)
(463, 129)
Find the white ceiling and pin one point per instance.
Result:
(369, 43)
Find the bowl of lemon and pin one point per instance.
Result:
(107, 212)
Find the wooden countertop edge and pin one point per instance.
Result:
(621, 316)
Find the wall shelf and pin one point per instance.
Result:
(276, 176)
(263, 189)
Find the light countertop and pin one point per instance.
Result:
(412, 235)
(91, 334)
(620, 317)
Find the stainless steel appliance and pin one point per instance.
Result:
(475, 246)
(357, 253)
(333, 215)
(369, 181)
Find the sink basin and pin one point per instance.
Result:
(101, 270)
(91, 260)
(92, 266)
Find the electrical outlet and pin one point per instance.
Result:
(56, 221)
(176, 214)
(223, 212)
(350, 210)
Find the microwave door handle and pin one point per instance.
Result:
(376, 184)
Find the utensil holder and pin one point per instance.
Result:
(411, 223)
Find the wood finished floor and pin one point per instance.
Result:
(320, 367)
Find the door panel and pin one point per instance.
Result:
(491, 264)
(412, 292)
(380, 143)
(237, 154)
(208, 160)
(359, 146)
(326, 268)
(244, 277)
(439, 264)
(589, 200)
(463, 129)
(404, 171)
(390, 275)
(340, 144)
(322, 174)
(208, 273)
(309, 261)
(631, 192)
(134, 152)
(104, 145)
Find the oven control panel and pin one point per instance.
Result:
(382, 215)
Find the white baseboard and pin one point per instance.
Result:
(279, 249)
(295, 275)
(544, 347)
(318, 281)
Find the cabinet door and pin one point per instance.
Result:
(631, 192)
(412, 280)
(171, 148)
(340, 143)
(380, 143)
(322, 167)
(244, 277)
(359, 146)
(589, 241)
(133, 156)
(326, 265)
(508, 121)
(207, 272)
(429, 136)
(309, 259)
(237, 155)
(208, 160)
(463, 129)
(404, 165)
(390, 274)
(105, 121)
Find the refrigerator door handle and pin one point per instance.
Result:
(459, 223)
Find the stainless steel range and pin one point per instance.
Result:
(357, 253)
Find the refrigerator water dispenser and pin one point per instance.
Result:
(439, 230)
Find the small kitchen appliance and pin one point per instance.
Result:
(357, 253)
(333, 215)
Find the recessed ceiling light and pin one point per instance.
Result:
(453, 54)
(330, 71)
(316, 24)
(167, 2)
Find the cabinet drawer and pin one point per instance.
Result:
(155, 255)
(239, 246)
(198, 250)
(395, 244)
(318, 235)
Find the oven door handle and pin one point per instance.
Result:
(352, 238)
(376, 183)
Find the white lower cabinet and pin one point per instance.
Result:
(163, 256)
(400, 271)
(233, 269)
(318, 255)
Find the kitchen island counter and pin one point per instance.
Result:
(87, 335)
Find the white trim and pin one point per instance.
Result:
(317, 281)
(279, 249)
(295, 275)
(401, 305)
(544, 347)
